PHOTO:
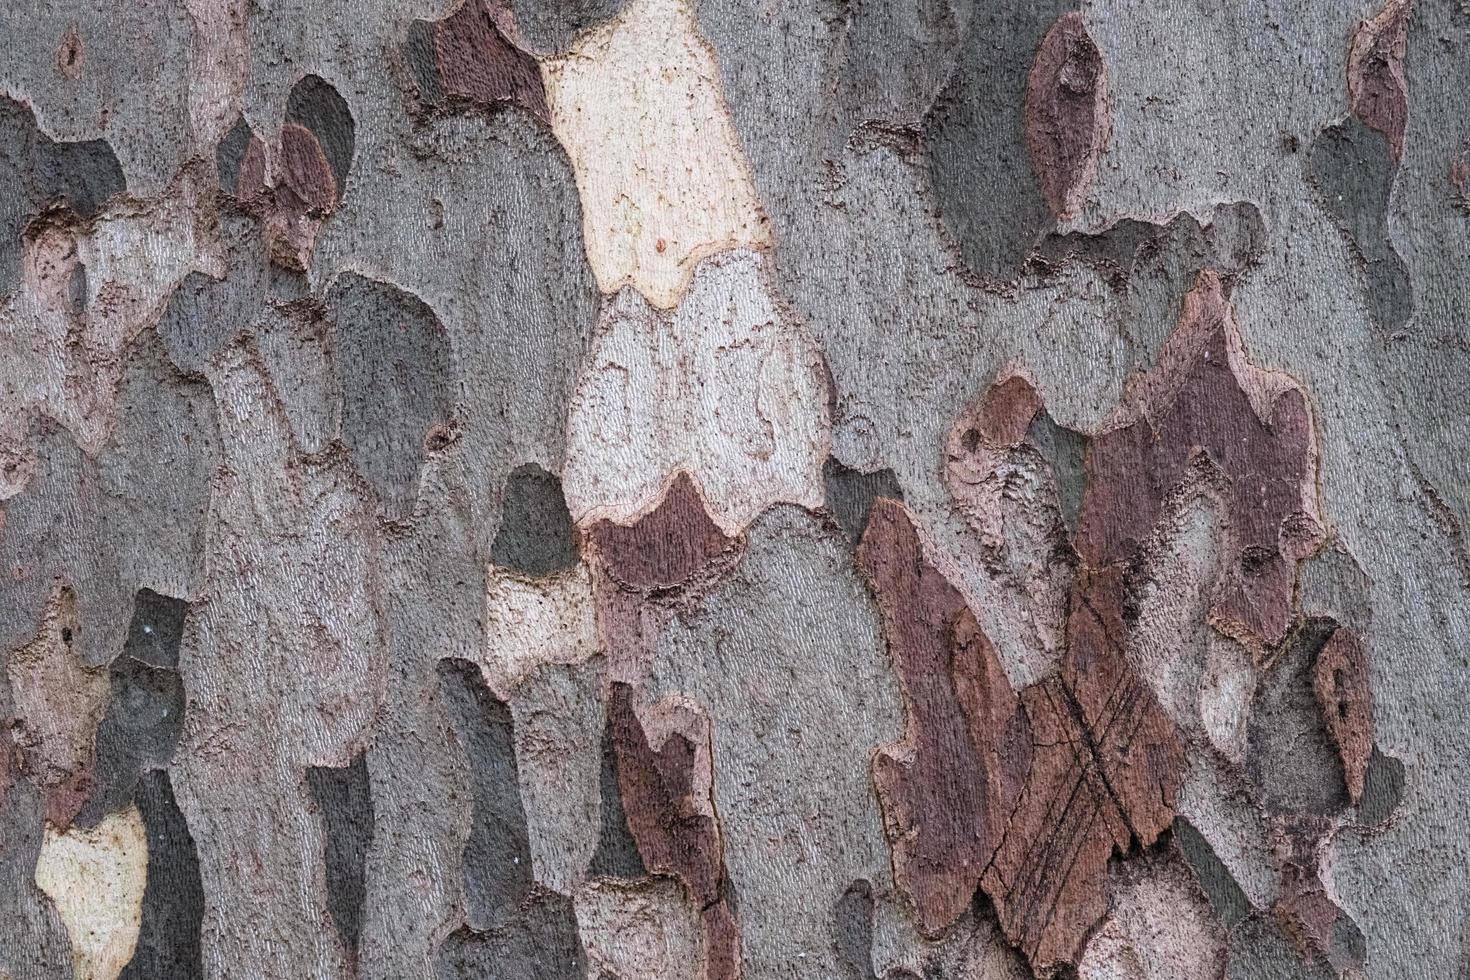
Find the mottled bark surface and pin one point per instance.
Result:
(714, 489)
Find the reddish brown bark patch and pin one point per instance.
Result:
(1377, 88)
(949, 786)
(671, 817)
(1105, 771)
(307, 180)
(1340, 680)
(1197, 408)
(1066, 114)
(668, 547)
(476, 61)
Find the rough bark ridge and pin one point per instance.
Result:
(702, 489)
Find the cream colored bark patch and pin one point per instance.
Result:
(728, 389)
(530, 622)
(637, 104)
(95, 878)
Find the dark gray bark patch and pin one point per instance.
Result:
(156, 629)
(851, 493)
(536, 536)
(37, 172)
(497, 855)
(229, 156)
(516, 928)
(852, 931)
(344, 799)
(1292, 762)
(145, 716)
(1383, 787)
(393, 358)
(1224, 893)
(979, 166)
(317, 107)
(173, 899)
(617, 852)
(540, 943)
(1065, 452)
(1353, 168)
(550, 26)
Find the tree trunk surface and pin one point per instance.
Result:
(714, 489)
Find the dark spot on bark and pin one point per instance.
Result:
(1179, 249)
(1353, 168)
(668, 546)
(418, 51)
(1065, 452)
(1383, 787)
(1066, 114)
(1292, 761)
(851, 494)
(852, 929)
(157, 629)
(617, 853)
(76, 290)
(497, 855)
(393, 358)
(536, 536)
(344, 799)
(1219, 885)
(173, 898)
(315, 106)
(140, 731)
(145, 709)
(229, 156)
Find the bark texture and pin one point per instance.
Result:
(734, 490)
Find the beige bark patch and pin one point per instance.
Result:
(95, 877)
(637, 104)
(530, 622)
(1160, 928)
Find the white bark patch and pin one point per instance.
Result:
(663, 181)
(728, 388)
(95, 878)
(530, 622)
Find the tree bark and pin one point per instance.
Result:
(713, 489)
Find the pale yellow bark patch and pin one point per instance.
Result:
(638, 107)
(95, 878)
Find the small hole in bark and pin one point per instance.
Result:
(66, 635)
(970, 440)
